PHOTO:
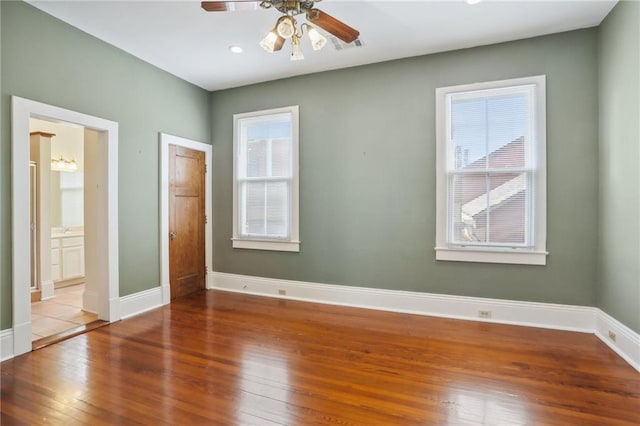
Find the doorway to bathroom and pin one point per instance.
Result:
(52, 248)
(58, 163)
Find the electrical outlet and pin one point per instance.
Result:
(484, 314)
(282, 292)
(612, 335)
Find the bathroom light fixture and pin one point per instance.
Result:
(62, 165)
(235, 49)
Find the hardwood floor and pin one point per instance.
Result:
(230, 359)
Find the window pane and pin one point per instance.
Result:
(257, 158)
(507, 127)
(469, 133)
(489, 131)
(255, 205)
(269, 127)
(490, 208)
(468, 200)
(277, 209)
(508, 199)
(281, 158)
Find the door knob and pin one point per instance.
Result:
(172, 235)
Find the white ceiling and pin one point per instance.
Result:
(183, 39)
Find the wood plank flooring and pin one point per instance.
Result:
(230, 359)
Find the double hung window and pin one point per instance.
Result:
(266, 180)
(491, 178)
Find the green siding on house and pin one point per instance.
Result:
(367, 173)
(46, 60)
(619, 205)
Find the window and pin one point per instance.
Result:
(265, 186)
(490, 172)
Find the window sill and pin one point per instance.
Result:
(517, 257)
(274, 245)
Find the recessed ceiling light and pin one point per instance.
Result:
(235, 49)
(473, 1)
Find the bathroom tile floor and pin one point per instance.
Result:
(59, 314)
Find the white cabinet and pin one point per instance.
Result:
(55, 259)
(67, 258)
(72, 257)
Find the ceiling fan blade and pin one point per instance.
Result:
(214, 6)
(224, 5)
(332, 25)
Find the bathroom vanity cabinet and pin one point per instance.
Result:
(67, 257)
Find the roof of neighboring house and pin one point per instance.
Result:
(475, 198)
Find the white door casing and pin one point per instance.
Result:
(165, 141)
(106, 226)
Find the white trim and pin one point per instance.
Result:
(22, 110)
(6, 344)
(583, 319)
(626, 343)
(267, 245)
(292, 243)
(47, 290)
(165, 141)
(492, 256)
(143, 301)
(531, 314)
(131, 305)
(453, 252)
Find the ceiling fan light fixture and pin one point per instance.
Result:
(317, 40)
(286, 27)
(269, 42)
(272, 42)
(296, 53)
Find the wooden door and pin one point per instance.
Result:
(186, 220)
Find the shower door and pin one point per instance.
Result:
(33, 198)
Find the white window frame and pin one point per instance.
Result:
(536, 253)
(292, 243)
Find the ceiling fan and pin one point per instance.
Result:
(286, 25)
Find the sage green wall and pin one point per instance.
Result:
(46, 60)
(619, 206)
(367, 180)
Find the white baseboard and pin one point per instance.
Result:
(90, 300)
(140, 302)
(6, 344)
(582, 319)
(623, 341)
(545, 315)
(47, 290)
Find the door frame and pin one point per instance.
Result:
(108, 306)
(165, 141)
